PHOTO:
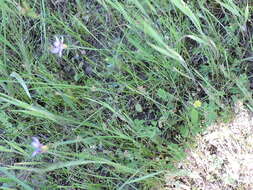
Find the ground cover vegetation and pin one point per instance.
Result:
(111, 92)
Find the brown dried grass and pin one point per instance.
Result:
(222, 159)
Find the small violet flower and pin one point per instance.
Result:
(58, 46)
(39, 148)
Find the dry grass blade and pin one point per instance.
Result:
(222, 159)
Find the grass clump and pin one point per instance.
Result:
(117, 109)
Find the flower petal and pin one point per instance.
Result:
(57, 42)
(60, 52)
(36, 152)
(36, 142)
(54, 50)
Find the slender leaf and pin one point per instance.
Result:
(21, 82)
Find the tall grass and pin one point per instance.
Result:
(117, 110)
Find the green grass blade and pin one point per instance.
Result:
(84, 162)
(21, 82)
(140, 179)
(182, 6)
(230, 6)
(15, 179)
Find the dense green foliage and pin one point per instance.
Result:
(118, 108)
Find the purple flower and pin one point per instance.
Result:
(58, 46)
(39, 148)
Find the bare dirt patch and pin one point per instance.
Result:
(222, 159)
